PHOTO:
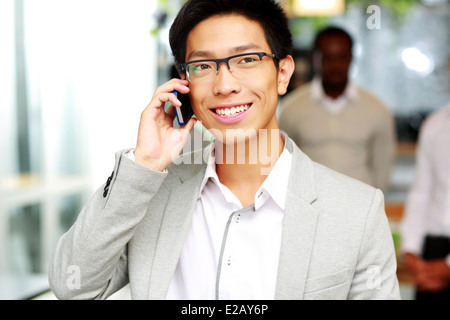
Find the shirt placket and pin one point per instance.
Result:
(227, 281)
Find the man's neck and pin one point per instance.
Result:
(245, 166)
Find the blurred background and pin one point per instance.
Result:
(76, 75)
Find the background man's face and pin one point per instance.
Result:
(336, 56)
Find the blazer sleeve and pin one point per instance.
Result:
(90, 259)
(376, 270)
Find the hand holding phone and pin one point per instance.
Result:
(159, 142)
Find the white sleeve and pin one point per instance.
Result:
(414, 223)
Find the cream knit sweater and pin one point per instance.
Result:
(359, 141)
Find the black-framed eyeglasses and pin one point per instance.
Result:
(241, 65)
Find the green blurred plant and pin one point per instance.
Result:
(164, 9)
(397, 10)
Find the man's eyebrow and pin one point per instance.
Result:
(198, 54)
(208, 54)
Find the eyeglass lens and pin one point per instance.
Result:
(240, 66)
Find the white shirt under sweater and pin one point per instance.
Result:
(232, 252)
(334, 106)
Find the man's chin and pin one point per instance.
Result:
(335, 82)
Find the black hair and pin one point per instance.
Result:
(331, 31)
(268, 13)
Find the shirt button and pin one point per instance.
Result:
(229, 260)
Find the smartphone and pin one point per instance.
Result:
(178, 112)
(183, 113)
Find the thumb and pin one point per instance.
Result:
(188, 127)
(179, 137)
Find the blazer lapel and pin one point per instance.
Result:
(174, 227)
(299, 227)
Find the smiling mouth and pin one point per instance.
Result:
(229, 112)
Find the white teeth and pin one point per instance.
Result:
(227, 112)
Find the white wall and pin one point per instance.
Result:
(99, 57)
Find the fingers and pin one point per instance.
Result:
(171, 112)
(432, 275)
(188, 127)
(165, 93)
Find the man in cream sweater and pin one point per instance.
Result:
(337, 123)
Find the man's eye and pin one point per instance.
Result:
(247, 60)
(201, 67)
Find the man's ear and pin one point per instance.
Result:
(285, 71)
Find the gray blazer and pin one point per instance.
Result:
(336, 241)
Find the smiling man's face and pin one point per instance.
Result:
(227, 101)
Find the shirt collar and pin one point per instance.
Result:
(275, 185)
(210, 170)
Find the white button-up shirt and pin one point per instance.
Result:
(232, 252)
(428, 205)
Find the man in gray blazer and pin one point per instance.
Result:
(248, 217)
